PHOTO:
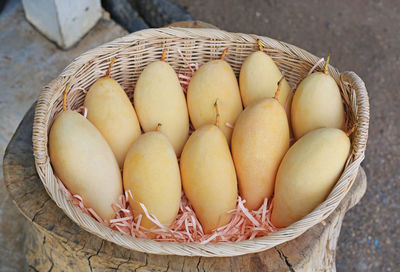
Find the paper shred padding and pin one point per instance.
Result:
(244, 225)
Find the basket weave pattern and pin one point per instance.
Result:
(186, 45)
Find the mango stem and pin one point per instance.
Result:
(158, 127)
(260, 47)
(164, 53)
(217, 116)
(109, 66)
(65, 97)
(326, 65)
(279, 87)
(224, 53)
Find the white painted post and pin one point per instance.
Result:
(63, 21)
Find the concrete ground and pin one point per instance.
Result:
(27, 62)
(361, 36)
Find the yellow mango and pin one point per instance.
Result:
(288, 109)
(85, 163)
(208, 177)
(214, 81)
(112, 113)
(258, 78)
(260, 139)
(316, 104)
(159, 98)
(151, 173)
(307, 174)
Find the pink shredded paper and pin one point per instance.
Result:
(315, 66)
(244, 225)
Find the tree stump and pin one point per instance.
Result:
(54, 242)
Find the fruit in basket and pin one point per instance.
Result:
(214, 80)
(317, 103)
(84, 162)
(307, 174)
(159, 98)
(288, 109)
(258, 78)
(208, 176)
(112, 113)
(151, 173)
(260, 139)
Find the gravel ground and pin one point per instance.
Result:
(361, 36)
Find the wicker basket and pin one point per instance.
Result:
(133, 53)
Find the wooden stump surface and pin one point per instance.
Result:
(55, 242)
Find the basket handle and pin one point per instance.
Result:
(362, 111)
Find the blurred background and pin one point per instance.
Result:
(360, 35)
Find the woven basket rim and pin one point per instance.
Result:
(42, 161)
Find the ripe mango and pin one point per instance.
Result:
(159, 98)
(214, 81)
(316, 104)
(151, 173)
(260, 139)
(258, 78)
(307, 174)
(112, 113)
(208, 177)
(85, 163)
